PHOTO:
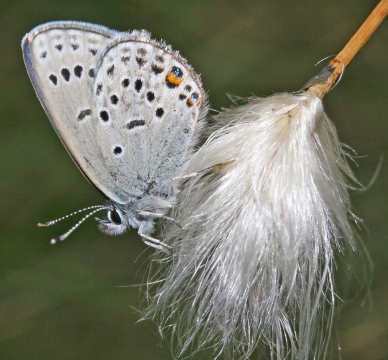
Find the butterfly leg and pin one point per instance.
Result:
(155, 243)
(189, 175)
(158, 216)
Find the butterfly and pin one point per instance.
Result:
(128, 110)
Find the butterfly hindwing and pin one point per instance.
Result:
(149, 117)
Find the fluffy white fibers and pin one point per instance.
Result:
(253, 263)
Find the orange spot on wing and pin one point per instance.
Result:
(172, 79)
(191, 102)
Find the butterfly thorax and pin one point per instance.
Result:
(138, 213)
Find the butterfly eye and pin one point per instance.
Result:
(115, 217)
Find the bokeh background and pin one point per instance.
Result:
(76, 300)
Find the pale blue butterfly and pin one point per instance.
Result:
(128, 110)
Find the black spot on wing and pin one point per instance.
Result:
(125, 59)
(84, 113)
(157, 69)
(117, 150)
(141, 61)
(78, 71)
(114, 99)
(99, 89)
(134, 123)
(138, 85)
(53, 79)
(104, 116)
(159, 112)
(150, 96)
(125, 83)
(111, 70)
(66, 74)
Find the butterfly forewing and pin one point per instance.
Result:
(61, 59)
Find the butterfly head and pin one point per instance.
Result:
(116, 221)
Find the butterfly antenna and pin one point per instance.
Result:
(52, 222)
(65, 235)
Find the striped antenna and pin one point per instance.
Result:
(95, 208)
(52, 222)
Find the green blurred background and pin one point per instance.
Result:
(75, 300)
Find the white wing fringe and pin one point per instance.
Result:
(253, 264)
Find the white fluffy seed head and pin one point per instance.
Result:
(253, 263)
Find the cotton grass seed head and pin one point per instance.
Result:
(253, 263)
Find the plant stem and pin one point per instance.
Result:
(322, 83)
